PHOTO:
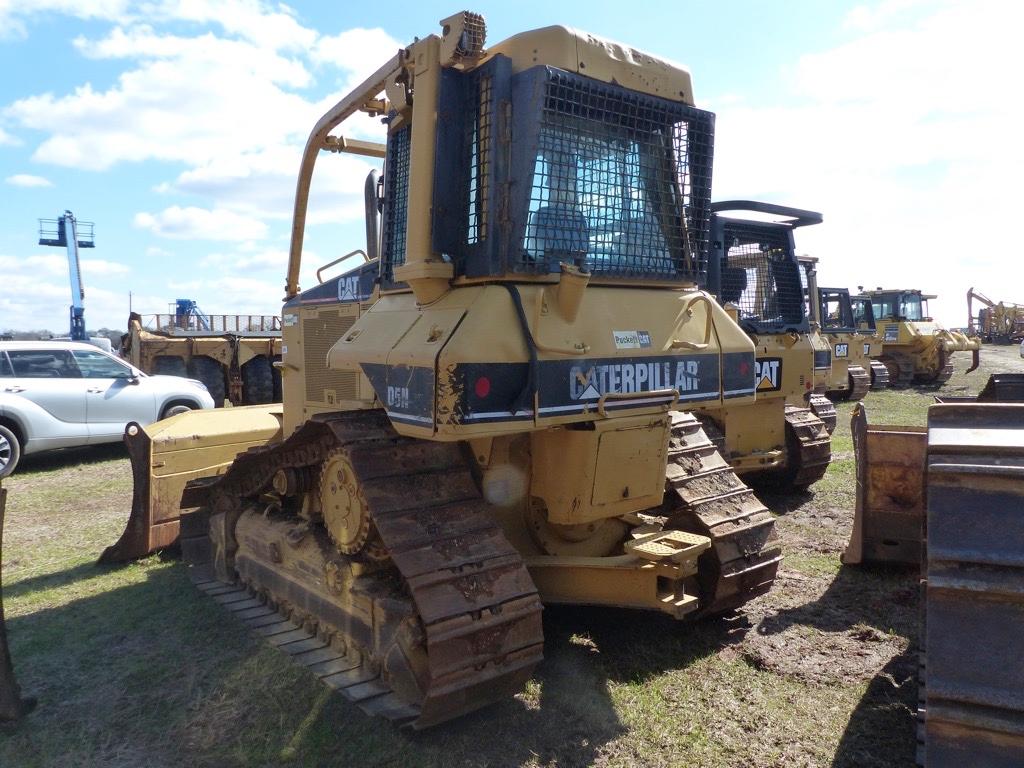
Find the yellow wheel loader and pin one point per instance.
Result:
(914, 347)
(853, 371)
(755, 274)
(507, 418)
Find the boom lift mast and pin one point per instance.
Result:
(56, 232)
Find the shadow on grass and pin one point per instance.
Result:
(880, 597)
(882, 729)
(69, 457)
(861, 610)
(154, 673)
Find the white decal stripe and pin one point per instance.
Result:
(739, 392)
(409, 416)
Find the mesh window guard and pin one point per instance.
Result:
(621, 183)
(396, 199)
(760, 276)
(479, 140)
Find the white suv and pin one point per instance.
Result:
(59, 394)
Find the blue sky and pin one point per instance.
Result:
(176, 127)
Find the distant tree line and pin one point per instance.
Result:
(42, 334)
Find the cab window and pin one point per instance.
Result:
(43, 364)
(95, 365)
(5, 365)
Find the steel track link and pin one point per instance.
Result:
(879, 375)
(808, 447)
(467, 587)
(823, 408)
(860, 382)
(704, 496)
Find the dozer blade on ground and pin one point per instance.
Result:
(168, 454)
(972, 678)
(889, 522)
(889, 518)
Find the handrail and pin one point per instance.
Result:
(708, 325)
(366, 260)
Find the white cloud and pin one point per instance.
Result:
(35, 293)
(191, 223)
(28, 180)
(907, 149)
(358, 52)
(6, 139)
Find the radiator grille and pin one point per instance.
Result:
(319, 334)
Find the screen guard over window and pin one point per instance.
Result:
(761, 277)
(562, 168)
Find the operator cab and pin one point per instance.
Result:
(900, 305)
(863, 313)
(754, 264)
(836, 310)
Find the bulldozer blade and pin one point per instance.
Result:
(168, 454)
(888, 524)
(972, 677)
(12, 705)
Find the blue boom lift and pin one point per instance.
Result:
(72, 234)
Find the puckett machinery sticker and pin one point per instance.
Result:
(631, 339)
(892, 333)
(487, 392)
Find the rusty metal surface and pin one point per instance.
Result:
(974, 642)
(166, 455)
(888, 524)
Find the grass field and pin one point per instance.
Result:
(132, 666)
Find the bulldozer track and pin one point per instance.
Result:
(703, 495)
(860, 382)
(879, 375)
(901, 370)
(808, 447)
(471, 608)
(945, 372)
(823, 408)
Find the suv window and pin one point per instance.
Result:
(95, 365)
(5, 366)
(43, 364)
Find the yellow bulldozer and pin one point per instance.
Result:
(915, 348)
(498, 409)
(854, 346)
(754, 272)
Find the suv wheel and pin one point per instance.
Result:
(175, 409)
(10, 451)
